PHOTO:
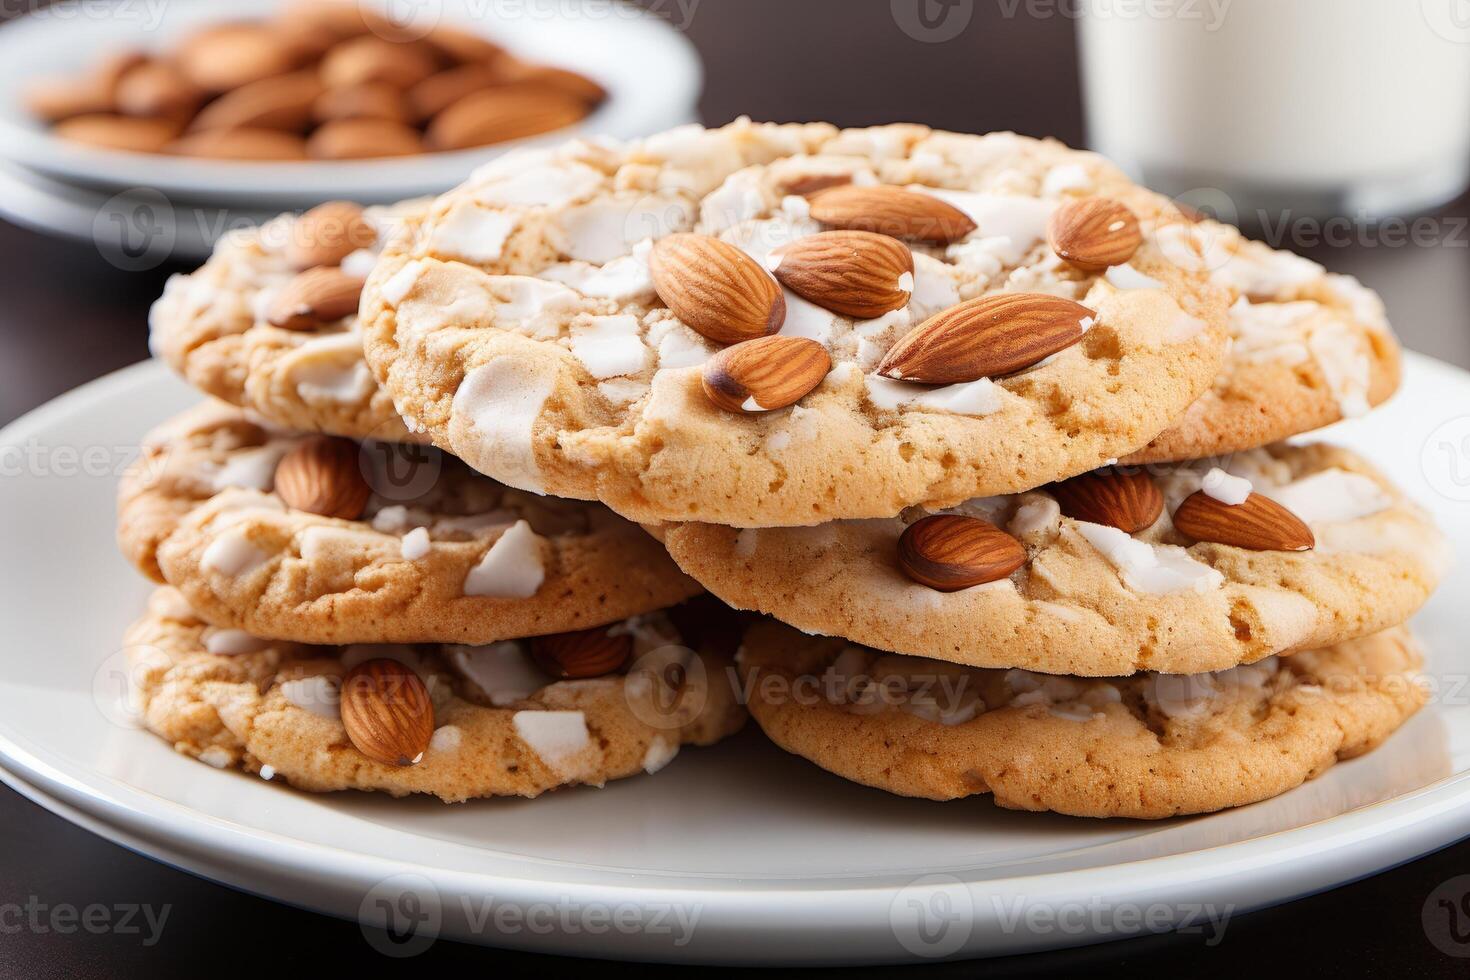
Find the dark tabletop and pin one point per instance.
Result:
(68, 315)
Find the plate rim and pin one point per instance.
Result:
(1269, 868)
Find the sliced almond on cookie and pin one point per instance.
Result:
(765, 374)
(985, 338)
(854, 273)
(949, 552)
(892, 211)
(323, 476)
(1094, 233)
(1128, 500)
(716, 289)
(387, 711)
(1259, 524)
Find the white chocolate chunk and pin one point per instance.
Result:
(1127, 277)
(232, 643)
(415, 544)
(555, 736)
(1152, 569)
(321, 695)
(661, 752)
(1332, 496)
(980, 397)
(1227, 489)
(233, 554)
(609, 346)
(471, 233)
(502, 671)
(401, 283)
(513, 567)
(501, 401)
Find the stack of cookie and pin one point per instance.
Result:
(344, 607)
(991, 434)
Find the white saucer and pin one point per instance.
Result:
(134, 231)
(650, 70)
(770, 859)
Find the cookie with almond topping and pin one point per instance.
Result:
(269, 322)
(567, 320)
(1175, 568)
(460, 721)
(1308, 347)
(1146, 746)
(323, 539)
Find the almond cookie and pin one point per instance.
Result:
(771, 325)
(1179, 569)
(1147, 746)
(321, 540)
(269, 323)
(1308, 348)
(456, 722)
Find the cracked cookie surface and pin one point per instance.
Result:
(212, 327)
(1147, 746)
(439, 553)
(1092, 600)
(1308, 347)
(501, 726)
(517, 324)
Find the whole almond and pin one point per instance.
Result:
(891, 211)
(370, 100)
(985, 338)
(327, 234)
(1259, 524)
(765, 374)
(225, 57)
(55, 99)
(94, 92)
(283, 102)
(440, 91)
(812, 183)
(584, 653)
(854, 273)
(119, 132)
(514, 71)
(949, 552)
(1128, 500)
(314, 297)
(464, 46)
(323, 475)
(1094, 233)
(716, 289)
(372, 59)
(495, 116)
(357, 139)
(247, 143)
(387, 711)
(157, 88)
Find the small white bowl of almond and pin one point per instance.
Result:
(285, 104)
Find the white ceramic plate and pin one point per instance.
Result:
(650, 71)
(733, 854)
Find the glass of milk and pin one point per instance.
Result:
(1316, 107)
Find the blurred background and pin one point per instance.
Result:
(1339, 129)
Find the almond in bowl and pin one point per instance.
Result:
(319, 81)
